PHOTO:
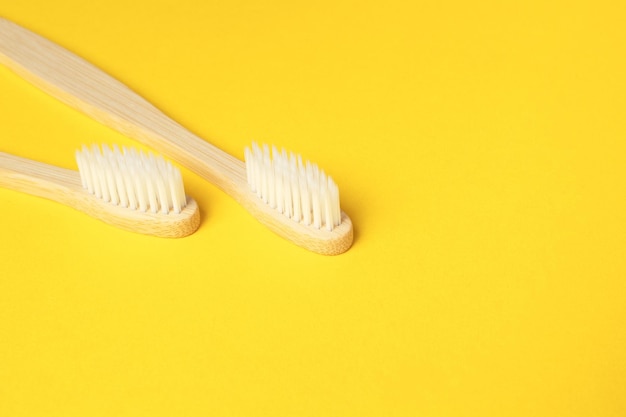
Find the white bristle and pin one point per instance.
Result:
(299, 190)
(131, 179)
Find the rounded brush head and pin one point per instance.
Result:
(295, 199)
(137, 191)
(299, 190)
(135, 180)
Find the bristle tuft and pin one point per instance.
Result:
(299, 190)
(136, 180)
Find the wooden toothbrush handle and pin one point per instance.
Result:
(90, 90)
(64, 186)
(39, 179)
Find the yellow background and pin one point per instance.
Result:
(480, 151)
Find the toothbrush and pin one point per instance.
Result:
(293, 198)
(133, 191)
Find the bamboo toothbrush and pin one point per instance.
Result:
(295, 199)
(130, 190)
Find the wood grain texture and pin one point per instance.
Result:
(64, 186)
(88, 89)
